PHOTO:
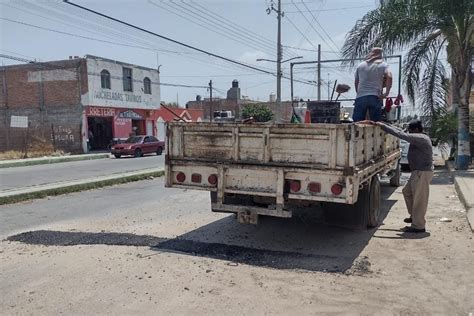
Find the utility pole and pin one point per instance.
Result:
(210, 101)
(329, 87)
(280, 14)
(279, 53)
(319, 72)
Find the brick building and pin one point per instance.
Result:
(73, 102)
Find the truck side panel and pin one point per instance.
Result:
(323, 146)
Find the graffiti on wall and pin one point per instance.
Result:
(61, 134)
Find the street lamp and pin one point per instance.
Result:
(279, 74)
(274, 61)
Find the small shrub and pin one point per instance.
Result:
(260, 112)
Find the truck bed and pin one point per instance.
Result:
(277, 162)
(346, 147)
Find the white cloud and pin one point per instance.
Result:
(251, 57)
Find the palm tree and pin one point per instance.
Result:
(425, 28)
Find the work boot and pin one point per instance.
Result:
(411, 229)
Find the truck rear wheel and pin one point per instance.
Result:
(360, 215)
(373, 209)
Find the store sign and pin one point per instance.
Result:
(131, 115)
(95, 111)
(117, 96)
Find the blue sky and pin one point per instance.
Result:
(239, 30)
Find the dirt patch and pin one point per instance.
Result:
(360, 267)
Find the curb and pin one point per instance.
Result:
(49, 160)
(462, 195)
(59, 188)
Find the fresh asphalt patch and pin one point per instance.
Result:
(232, 253)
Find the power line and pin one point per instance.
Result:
(332, 9)
(52, 65)
(302, 34)
(80, 23)
(112, 29)
(259, 84)
(90, 38)
(198, 19)
(309, 22)
(172, 40)
(242, 30)
(211, 76)
(15, 53)
(311, 50)
(106, 33)
(128, 45)
(322, 28)
(166, 38)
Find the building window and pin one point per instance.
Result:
(147, 85)
(127, 79)
(105, 79)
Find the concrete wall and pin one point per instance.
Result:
(49, 94)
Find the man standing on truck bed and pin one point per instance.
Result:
(370, 77)
(420, 159)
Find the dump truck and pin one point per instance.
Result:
(268, 169)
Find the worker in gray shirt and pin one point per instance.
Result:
(420, 159)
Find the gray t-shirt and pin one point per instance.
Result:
(420, 152)
(370, 76)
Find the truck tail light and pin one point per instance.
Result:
(336, 189)
(196, 178)
(180, 177)
(212, 179)
(295, 185)
(314, 187)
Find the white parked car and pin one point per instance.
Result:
(403, 159)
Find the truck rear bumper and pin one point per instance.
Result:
(249, 214)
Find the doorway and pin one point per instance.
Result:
(100, 132)
(138, 127)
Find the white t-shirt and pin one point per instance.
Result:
(370, 77)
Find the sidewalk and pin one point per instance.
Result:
(464, 185)
(48, 160)
(64, 187)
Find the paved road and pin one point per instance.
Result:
(40, 174)
(168, 253)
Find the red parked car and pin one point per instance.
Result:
(138, 146)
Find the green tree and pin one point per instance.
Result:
(426, 28)
(260, 112)
(444, 126)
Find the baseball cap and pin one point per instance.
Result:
(413, 124)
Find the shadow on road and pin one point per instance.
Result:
(301, 242)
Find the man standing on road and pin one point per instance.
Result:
(370, 77)
(420, 159)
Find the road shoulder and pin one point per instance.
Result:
(64, 187)
(48, 160)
